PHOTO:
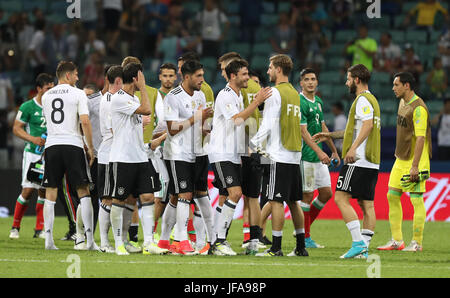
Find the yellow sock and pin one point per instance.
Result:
(395, 214)
(420, 215)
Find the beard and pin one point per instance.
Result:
(352, 88)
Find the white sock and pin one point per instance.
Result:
(354, 228)
(225, 218)
(148, 210)
(367, 236)
(127, 216)
(49, 219)
(116, 224)
(200, 231)
(87, 213)
(104, 222)
(182, 220)
(204, 206)
(169, 219)
(79, 225)
(217, 213)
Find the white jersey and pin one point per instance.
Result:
(227, 142)
(94, 109)
(180, 106)
(62, 106)
(364, 111)
(270, 131)
(128, 136)
(105, 128)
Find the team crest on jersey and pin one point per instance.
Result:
(183, 184)
(121, 191)
(229, 180)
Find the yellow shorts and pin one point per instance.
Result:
(397, 173)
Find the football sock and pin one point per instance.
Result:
(191, 230)
(306, 213)
(276, 240)
(39, 214)
(367, 236)
(49, 218)
(182, 220)
(169, 219)
(148, 211)
(419, 218)
(200, 231)
(204, 206)
(87, 214)
(395, 214)
(155, 226)
(19, 211)
(126, 217)
(116, 223)
(79, 225)
(300, 238)
(104, 222)
(217, 212)
(315, 208)
(354, 228)
(133, 231)
(246, 231)
(225, 218)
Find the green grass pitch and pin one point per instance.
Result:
(26, 257)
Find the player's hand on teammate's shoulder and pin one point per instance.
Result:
(320, 137)
(263, 94)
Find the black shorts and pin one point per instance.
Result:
(201, 173)
(226, 174)
(104, 181)
(358, 181)
(181, 175)
(112, 18)
(282, 182)
(65, 159)
(134, 179)
(251, 179)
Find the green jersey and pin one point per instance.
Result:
(30, 113)
(312, 117)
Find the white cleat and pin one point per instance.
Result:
(14, 234)
(51, 247)
(80, 245)
(121, 251)
(94, 247)
(223, 249)
(153, 249)
(107, 249)
(132, 247)
(413, 246)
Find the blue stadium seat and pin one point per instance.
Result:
(241, 47)
(398, 36)
(262, 34)
(209, 63)
(416, 36)
(330, 77)
(29, 5)
(381, 77)
(262, 48)
(344, 36)
(11, 6)
(335, 63)
(260, 63)
(269, 20)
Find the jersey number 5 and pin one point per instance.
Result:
(57, 106)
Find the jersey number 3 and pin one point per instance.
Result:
(57, 112)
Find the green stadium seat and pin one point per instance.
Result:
(284, 6)
(335, 63)
(326, 91)
(413, 36)
(262, 48)
(241, 47)
(269, 20)
(209, 63)
(262, 35)
(339, 91)
(380, 77)
(434, 106)
(232, 7)
(29, 5)
(375, 34)
(259, 63)
(269, 7)
(330, 77)
(407, 6)
(192, 7)
(398, 36)
(11, 6)
(58, 7)
(435, 36)
(398, 21)
(344, 36)
(209, 76)
(336, 49)
(383, 23)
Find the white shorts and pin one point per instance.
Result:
(314, 175)
(27, 159)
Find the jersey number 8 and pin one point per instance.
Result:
(57, 110)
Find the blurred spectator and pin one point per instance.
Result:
(74, 41)
(392, 8)
(215, 25)
(24, 34)
(363, 49)
(340, 121)
(6, 92)
(38, 58)
(89, 17)
(156, 16)
(55, 47)
(112, 9)
(171, 46)
(15, 144)
(442, 121)
(444, 49)
(341, 10)
(38, 14)
(283, 37)
(317, 44)
(437, 79)
(2, 17)
(388, 54)
(410, 62)
(426, 12)
(94, 45)
(94, 71)
(250, 12)
(318, 13)
(301, 19)
(129, 26)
